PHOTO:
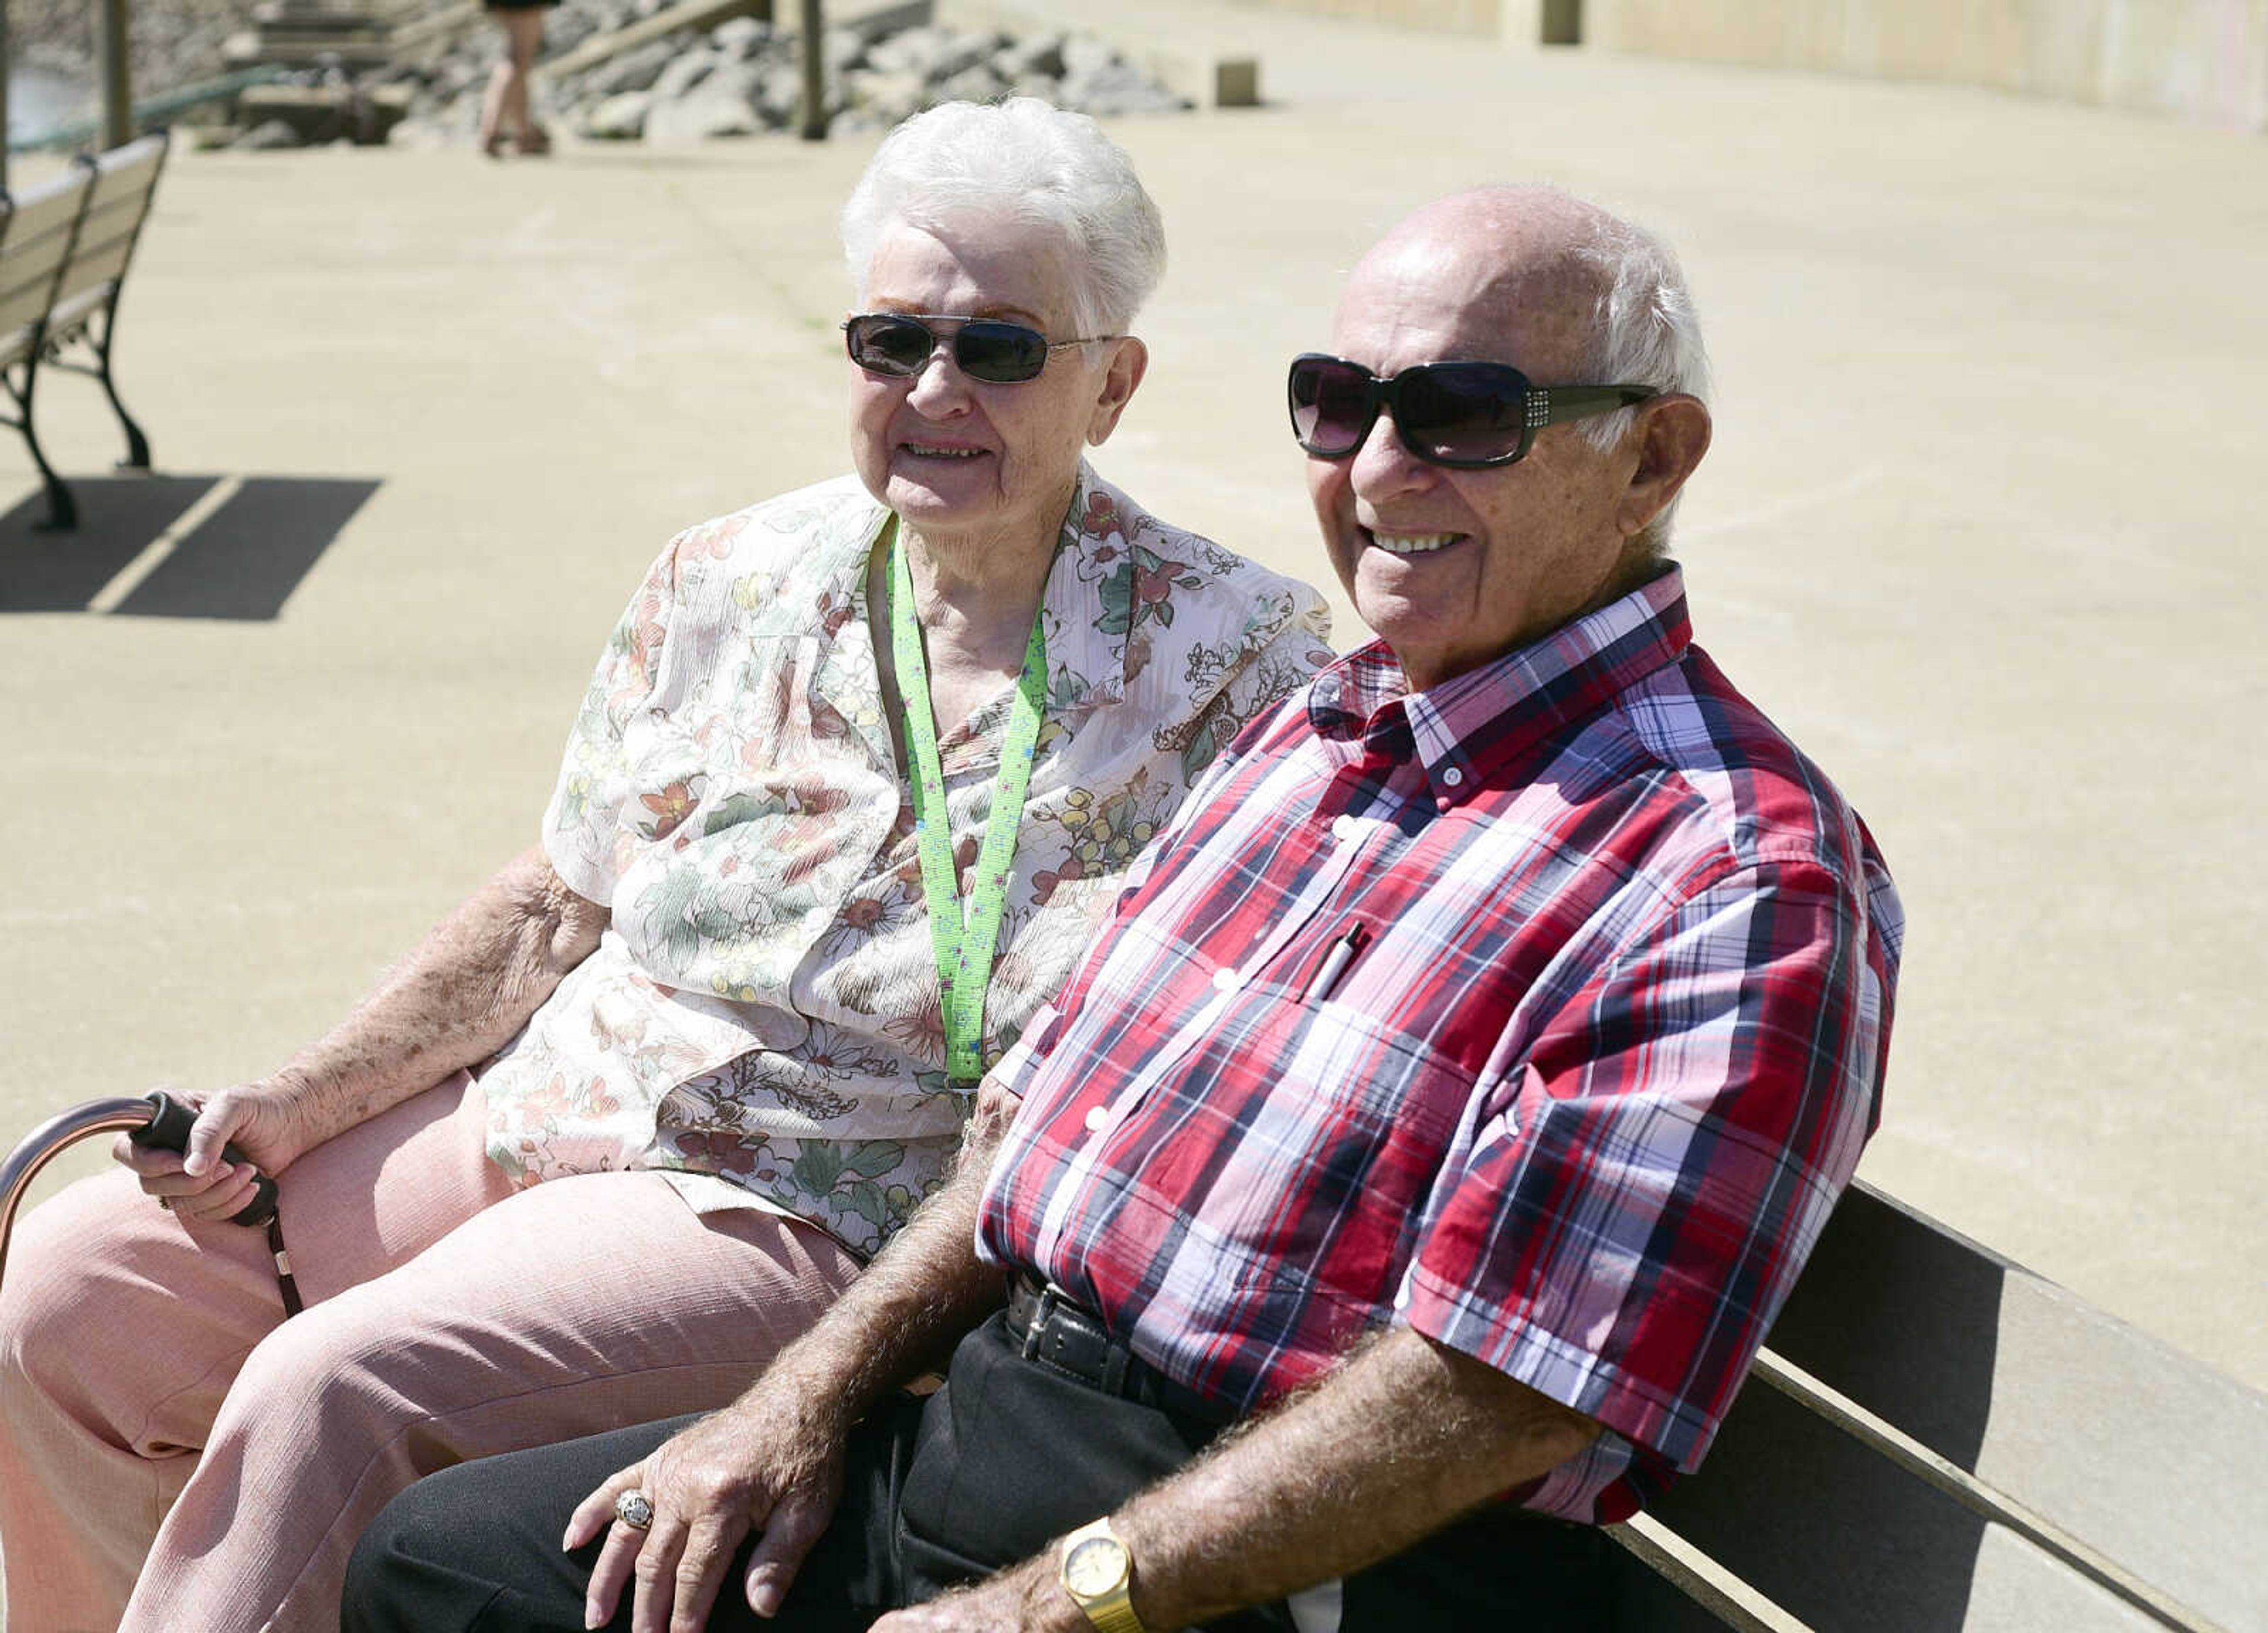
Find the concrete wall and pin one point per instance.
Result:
(1460, 17)
(2201, 59)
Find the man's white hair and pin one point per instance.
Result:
(1023, 162)
(1646, 333)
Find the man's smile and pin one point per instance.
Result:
(1411, 543)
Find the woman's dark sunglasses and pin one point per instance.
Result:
(1462, 415)
(899, 344)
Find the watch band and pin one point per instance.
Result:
(1097, 1573)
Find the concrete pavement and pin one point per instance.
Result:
(1978, 529)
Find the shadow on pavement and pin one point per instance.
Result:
(241, 559)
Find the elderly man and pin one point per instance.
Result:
(1448, 1108)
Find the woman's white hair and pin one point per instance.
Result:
(1648, 332)
(1023, 162)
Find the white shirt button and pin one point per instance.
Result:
(1452, 776)
(1224, 980)
(1342, 828)
(1098, 1120)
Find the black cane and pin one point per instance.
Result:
(156, 1119)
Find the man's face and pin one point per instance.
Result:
(1455, 568)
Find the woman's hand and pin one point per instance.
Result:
(746, 1468)
(266, 1122)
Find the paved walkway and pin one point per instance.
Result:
(1979, 528)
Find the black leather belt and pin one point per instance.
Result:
(1057, 1334)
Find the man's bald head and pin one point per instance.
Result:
(1513, 255)
(1603, 299)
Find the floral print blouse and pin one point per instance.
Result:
(761, 1017)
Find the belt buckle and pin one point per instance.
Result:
(1043, 1311)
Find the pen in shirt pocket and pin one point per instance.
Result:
(1335, 960)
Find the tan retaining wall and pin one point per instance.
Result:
(2204, 60)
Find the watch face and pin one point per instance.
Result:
(1097, 1565)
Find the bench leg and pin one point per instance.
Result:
(137, 445)
(62, 510)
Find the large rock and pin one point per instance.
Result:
(724, 105)
(1115, 86)
(779, 94)
(883, 98)
(268, 135)
(620, 118)
(1039, 56)
(937, 53)
(980, 82)
(689, 69)
(741, 38)
(633, 71)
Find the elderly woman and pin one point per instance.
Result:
(856, 776)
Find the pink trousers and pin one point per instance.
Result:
(173, 1454)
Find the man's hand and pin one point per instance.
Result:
(746, 1466)
(1030, 1598)
(268, 1122)
(773, 1459)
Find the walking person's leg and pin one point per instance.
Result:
(523, 28)
(493, 94)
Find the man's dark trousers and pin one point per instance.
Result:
(985, 1473)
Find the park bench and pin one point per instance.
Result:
(1936, 1439)
(65, 247)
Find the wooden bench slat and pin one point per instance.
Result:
(1684, 1591)
(31, 266)
(1989, 1503)
(1823, 1528)
(2140, 1453)
(93, 267)
(48, 208)
(27, 303)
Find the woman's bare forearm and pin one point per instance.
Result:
(458, 997)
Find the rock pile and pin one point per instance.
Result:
(744, 77)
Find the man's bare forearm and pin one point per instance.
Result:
(902, 1316)
(455, 1000)
(1402, 1440)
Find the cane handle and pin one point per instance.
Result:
(169, 1129)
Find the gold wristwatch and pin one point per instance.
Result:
(1098, 1572)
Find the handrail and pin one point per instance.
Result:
(154, 110)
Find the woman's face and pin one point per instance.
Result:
(967, 462)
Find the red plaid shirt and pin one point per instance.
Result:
(1609, 1039)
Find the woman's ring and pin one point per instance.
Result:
(634, 1510)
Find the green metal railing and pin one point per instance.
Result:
(149, 111)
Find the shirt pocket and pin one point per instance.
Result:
(1327, 1184)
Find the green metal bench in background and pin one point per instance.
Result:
(1935, 1439)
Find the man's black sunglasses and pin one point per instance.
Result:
(899, 343)
(1463, 415)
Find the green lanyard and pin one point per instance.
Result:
(963, 935)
